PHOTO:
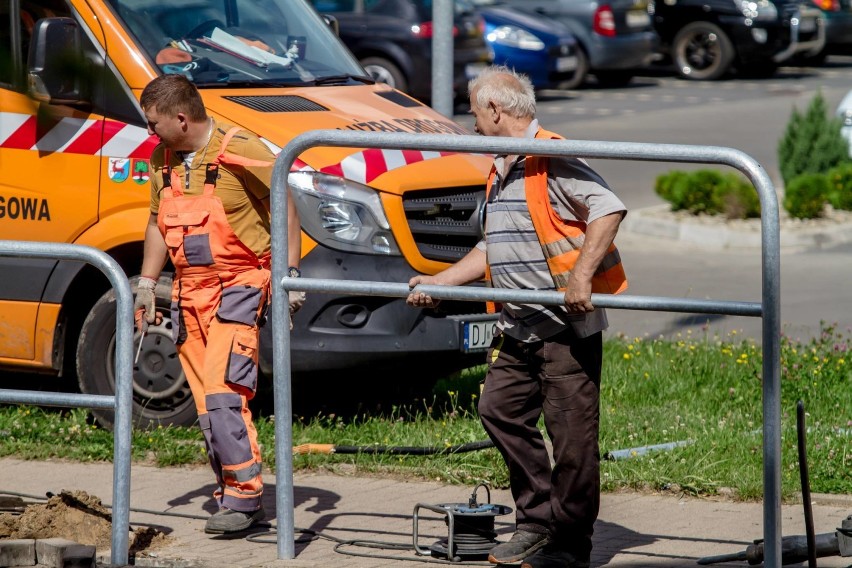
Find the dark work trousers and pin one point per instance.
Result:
(559, 377)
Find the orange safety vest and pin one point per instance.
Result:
(560, 240)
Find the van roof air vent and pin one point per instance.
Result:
(277, 103)
(400, 99)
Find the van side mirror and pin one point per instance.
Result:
(56, 65)
(332, 22)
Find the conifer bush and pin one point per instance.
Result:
(805, 196)
(812, 142)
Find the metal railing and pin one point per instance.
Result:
(121, 401)
(769, 308)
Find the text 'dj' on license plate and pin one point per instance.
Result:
(476, 335)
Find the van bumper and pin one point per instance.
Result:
(335, 332)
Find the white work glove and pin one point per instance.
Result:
(143, 308)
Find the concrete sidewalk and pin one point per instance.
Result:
(633, 529)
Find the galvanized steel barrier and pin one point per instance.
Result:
(769, 308)
(121, 401)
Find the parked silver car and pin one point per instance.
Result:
(615, 38)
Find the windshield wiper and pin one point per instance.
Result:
(345, 78)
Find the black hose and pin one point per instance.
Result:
(806, 484)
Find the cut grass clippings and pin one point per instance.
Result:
(703, 394)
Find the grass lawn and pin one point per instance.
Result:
(700, 394)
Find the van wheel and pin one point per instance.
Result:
(161, 395)
(702, 51)
(384, 71)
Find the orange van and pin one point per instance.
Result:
(74, 169)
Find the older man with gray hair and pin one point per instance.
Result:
(550, 225)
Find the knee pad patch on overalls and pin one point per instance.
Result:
(242, 363)
(240, 304)
(227, 429)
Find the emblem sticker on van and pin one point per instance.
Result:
(119, 169)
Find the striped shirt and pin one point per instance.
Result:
(513, 251)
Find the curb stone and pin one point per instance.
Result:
(715, 232)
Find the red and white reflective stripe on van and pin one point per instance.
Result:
(76, 136)
(367, 165)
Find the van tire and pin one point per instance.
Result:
(384, 71)
(702, 51)
(161, 395)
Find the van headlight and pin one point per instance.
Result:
(760, 10)
(341, 214)
(513, 36)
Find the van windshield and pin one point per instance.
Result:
(228, 42)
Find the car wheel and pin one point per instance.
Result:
(384, 71)
(614, 78)
(580, 72)
(702, 51)
(161, 395)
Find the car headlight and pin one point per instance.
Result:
(341, 214)
(760, 10)
(513, 36)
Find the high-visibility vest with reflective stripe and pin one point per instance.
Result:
(561, 241)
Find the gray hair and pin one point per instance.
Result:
(511, 90)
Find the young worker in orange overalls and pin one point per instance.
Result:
(210, 215)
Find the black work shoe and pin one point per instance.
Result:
(227, 521)
(551, 556)
(521, 545)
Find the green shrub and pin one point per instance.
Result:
(709, 191)
(805, 196)
(696, 192)
(840, 192)
(812, 142)
(665, 182)
(738, 198)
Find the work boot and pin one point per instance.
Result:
(227, 521)
(551, 556)
(521, 545)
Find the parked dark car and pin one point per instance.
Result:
(706, 38)
(543, 50)
(615, 38)
(838, 29)
(393, 41)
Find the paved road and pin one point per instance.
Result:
(749, 115)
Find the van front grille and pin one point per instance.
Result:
(445, 223)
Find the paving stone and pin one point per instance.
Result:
(63, 553)
(18, 552)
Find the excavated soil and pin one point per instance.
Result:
(76, 516)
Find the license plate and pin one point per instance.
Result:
(637, 19)
(471, 70)
(476, 335)
(566, 63)
(807, 25)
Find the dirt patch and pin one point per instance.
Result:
(76, 516)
